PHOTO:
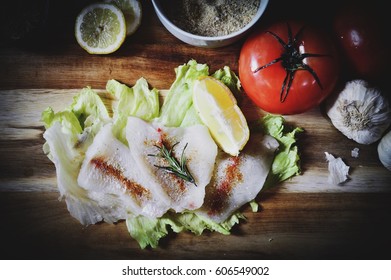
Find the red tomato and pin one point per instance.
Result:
(311, 83)
(362, 35)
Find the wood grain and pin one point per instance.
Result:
(290, 226)
(303, 218)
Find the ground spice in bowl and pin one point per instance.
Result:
(211, 18)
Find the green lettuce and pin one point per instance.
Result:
(81, 120)
(148, 231)
(179, 100)
(67, 119)
(286, 163)
(89, 108)
(231, 80)
(138, 101)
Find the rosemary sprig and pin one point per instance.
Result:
(177, 168)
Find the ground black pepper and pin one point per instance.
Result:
(211, 17)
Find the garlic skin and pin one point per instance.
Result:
(360, 112)
(384, 150)
(338, 170)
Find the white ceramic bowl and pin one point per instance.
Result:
(205, 41)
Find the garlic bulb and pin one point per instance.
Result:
(360, 112)
(384, 150)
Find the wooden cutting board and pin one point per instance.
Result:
(302, 218)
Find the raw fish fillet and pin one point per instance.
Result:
(144, 141)
(117, 181)
(238, 180)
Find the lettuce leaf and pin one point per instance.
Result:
(231, 80)
(179, 99)
(89, 109)
(148, 231)
(80, 121)
(138, 101)
(67, 119)
(286, 163)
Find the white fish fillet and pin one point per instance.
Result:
(144, 140)
(238, 180)
(116, 180)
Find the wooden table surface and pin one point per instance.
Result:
(303, 218)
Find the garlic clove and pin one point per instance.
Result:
(360, 112)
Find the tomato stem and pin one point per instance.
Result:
(291, 60)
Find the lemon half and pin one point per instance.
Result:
(100, 28)
(218, 110)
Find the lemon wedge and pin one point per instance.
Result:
(218, 110)
(132, 11)
(100, 28)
